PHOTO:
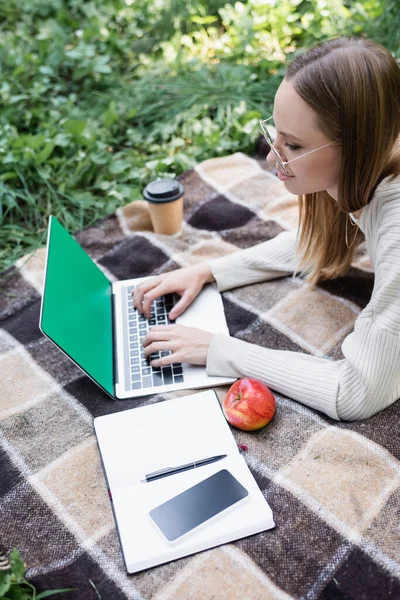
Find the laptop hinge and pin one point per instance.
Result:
(115, 357)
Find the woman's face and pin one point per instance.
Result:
(297, 133)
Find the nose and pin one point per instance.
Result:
(271, 160)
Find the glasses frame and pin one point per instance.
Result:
(282, 163)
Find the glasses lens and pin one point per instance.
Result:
(267, 127)
(268, 130)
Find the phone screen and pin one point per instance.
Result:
(196, 505)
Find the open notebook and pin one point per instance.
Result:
(139, 441)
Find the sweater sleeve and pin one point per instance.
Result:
(367, 380)
(269, 260)
(357, 387)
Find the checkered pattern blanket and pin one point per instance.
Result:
(334, 488)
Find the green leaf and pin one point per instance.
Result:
(204, 20)
(75, 126)
(5, 582)
(95, 588)
(45, 153)
(46, 70)
(111, 115)
(9, 175)
(53, 592)
(81, 51)
(248, 116)
(36, 141)
(119, 166)
(62, 139)
(100, 65)
(18, 98)
(17, 564)
(19, 593)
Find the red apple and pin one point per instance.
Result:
(249, 405)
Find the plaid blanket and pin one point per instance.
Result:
(333, 487)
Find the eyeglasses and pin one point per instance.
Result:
(282, 163)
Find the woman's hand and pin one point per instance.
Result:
(186, 344)
(187, 283)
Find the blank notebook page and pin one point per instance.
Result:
(171, 433)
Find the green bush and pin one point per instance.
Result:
(99, 97)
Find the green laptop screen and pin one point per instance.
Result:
(77, 306)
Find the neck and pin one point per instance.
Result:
(333, 192)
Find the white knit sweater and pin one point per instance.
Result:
(367, 380)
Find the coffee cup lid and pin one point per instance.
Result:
(163, 190)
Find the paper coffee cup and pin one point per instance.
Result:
(165, 198)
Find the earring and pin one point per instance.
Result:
(346, 234)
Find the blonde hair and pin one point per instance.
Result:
(353, 84)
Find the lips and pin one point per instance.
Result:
(282, 176)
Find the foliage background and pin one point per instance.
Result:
(99, 97)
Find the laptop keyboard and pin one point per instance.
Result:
(142, 374)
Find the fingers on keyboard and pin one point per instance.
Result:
(143, 375)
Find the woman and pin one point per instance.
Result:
(337, 116)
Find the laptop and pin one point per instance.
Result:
(93, 321)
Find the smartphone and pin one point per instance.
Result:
(198, 504)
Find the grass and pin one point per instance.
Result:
(100, 97)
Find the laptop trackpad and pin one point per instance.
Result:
(206, 312)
